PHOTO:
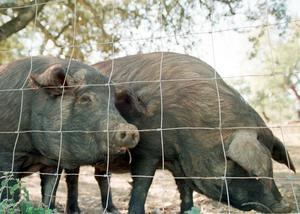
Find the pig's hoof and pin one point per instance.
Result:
(112, 210)
(74, 210)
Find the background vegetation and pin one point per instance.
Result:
(23, 205)
(93, 30)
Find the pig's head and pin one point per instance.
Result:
(251, 160)
(252, 185)
(249, 174)
(74, 108)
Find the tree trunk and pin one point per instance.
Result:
(24, 17)
(294, 90)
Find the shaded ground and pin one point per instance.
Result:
(163, 196)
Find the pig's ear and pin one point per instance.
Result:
(128, 101)
(51, 79)
(250, 154)
(281, 155)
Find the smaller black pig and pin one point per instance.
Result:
(54, 113)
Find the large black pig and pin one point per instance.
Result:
(44, 106)
(210, 135)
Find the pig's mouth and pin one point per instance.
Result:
(118, 150)
(278, 207)
(257, 206)
(122, 150)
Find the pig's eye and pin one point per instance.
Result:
(85, 99)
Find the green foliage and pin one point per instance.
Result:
(194, 210)
(92, 30)
(276, 95)
(23, 205)
(10, 49)
(275, 14)
(89, 27)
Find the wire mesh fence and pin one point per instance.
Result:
(188, 118)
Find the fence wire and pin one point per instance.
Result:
(292, 180)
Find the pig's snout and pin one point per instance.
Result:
(281, 207)
(277, 207)
(126, 136)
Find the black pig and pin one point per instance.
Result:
(44, 106)
(209, 133)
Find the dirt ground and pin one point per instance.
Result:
(163, 196)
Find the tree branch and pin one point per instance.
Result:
(228, 3)
(293, 88)
(24, 17)
(47, 34)
(7, 5)
(63, 29)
